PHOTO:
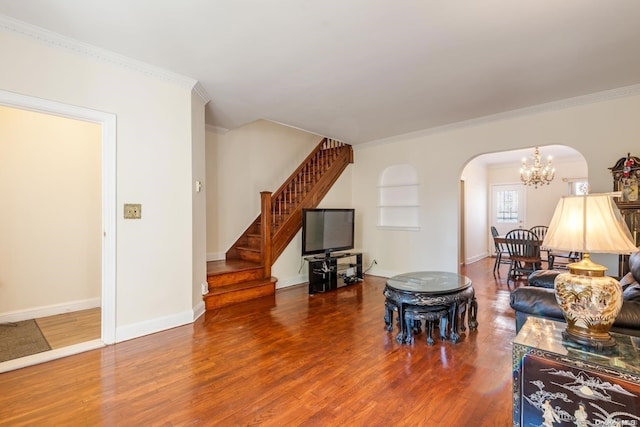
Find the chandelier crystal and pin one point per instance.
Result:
(537, 173)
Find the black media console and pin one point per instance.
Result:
(327, 273)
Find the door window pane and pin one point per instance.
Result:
(507, 206)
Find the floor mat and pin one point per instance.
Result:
(19, 339)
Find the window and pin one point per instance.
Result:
(578, 187)
(507, 206)
(398, 200)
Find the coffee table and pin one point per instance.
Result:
(422, 294)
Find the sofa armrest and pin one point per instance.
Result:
(629, 316)
(540, 302)
(542, 278)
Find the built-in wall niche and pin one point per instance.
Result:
(398, 198)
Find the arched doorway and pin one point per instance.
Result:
(492, 169)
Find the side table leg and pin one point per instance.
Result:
(388, 317)
(401, 338)
(463, 311)
(473, 313)
(443, 328)
(429, 330)
(417, 327)
(453, 314)
(409, 322)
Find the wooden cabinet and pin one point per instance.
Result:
(631, 213)
(626, 177)
(555, 383)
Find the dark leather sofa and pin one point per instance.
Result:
(538, 299)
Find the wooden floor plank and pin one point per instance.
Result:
(297, 359)
(71, 328)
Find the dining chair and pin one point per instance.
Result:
(524, 253)
(501, 252)
(569, 256)
(541, 231)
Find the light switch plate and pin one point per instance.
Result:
(132, 211)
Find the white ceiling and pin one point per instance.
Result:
(362, 70)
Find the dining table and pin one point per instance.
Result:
(535, 248)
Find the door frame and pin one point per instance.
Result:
(522, 206)
(108, 160)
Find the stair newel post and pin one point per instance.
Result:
(265, 225)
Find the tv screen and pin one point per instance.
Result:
(327, 230)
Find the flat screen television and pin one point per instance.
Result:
(327, 230)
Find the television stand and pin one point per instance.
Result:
(336, 270)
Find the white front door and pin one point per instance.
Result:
(507, 207)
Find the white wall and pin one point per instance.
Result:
(199, 203)
(476, 199)
(50, 221)
(214, 246)
(154, 278)
(603, 131)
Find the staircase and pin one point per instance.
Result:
(245, 273)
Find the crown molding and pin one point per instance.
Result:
(216, 129)
(56, 40)
(563, 104)
(201, 92)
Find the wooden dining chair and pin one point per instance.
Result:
(524, 253)
(501, 252)
(569, 256)
(541, 231)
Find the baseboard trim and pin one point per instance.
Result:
(291, 281)
(476, 258)
(198, 310)
(49, 310)
(147, 327)
(215, 256)
(382, 273)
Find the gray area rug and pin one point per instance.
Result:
(21, 339)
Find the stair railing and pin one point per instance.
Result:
(302, 179)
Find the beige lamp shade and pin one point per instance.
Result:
(591, 224)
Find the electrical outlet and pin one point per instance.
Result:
(132, 211)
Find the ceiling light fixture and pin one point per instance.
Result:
(537, 174)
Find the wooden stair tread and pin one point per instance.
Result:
(215, 268)
(241, 286)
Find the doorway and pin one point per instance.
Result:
(107, 227)
(507, 203)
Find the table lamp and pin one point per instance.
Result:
(590, 301)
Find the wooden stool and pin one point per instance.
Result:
(413, 314)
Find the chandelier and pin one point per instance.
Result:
(537, 174)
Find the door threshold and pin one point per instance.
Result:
(47, 356)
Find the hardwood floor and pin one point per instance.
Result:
(71, 328)
(292, 359)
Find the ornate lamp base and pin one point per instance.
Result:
(590, 302)
(588, 343)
